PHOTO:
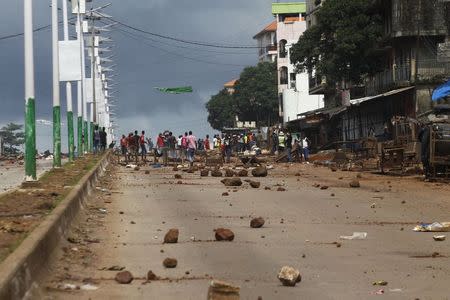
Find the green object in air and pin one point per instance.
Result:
(86, 137)
(30, 140)
(56, 136)
(70, 135)
(176, 90)
(288, 8)
(80, 136)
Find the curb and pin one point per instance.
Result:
(21, 268)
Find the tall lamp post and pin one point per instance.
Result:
(30, 115)
(56, 91)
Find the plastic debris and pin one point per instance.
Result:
(433, 227)
(355, 236)
(89, 287)
(380, 282)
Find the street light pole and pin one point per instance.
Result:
(70, 133)
(80, 88)
(30, 114)
(56, 91)
(93, 59)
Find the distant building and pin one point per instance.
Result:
(293, 87)
(267, 43)
(229, 86)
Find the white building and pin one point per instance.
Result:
(267, 43)
(293, 87)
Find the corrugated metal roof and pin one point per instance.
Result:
(393, 92)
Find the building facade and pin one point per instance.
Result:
(267, 43)
(293, 87)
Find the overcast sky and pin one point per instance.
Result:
(141, 63)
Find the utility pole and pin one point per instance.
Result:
(93, 59)
(70, 132)
(80, 87)
(30, 114)
(56, 96)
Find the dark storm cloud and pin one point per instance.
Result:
(143, 64)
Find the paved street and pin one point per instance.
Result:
(301, 227)
(12, 175)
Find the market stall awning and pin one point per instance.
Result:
(393, 92)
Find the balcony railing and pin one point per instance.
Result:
(430, 71)
(267, 49)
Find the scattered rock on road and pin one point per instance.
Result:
(289, 276)
(151, 276)
(204, 173)
(178, 176)
(257, 222)
(324, 187)
(242, 173)
(220, 290)
(223, 234)
(147, 172)
(354, 184)
(225, 194)
(216, 173)
(259, 172)
(255, 184)
(170, 263)
(124, 277)
(281, 189)
(171, 236)
(229, 173)
(232, 181)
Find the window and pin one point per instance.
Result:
(292, 79)
(283, 51)
(283, 75)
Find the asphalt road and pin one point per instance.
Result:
(12, 175)
(303, 225)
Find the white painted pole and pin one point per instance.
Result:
(56, 91)
(30, 115)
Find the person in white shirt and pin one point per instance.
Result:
(305, 146)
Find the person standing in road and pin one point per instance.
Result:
(172, 141)
(96, 140)
(305, 146)
(124, 146)
(227, 148)
(207, 146)
(142, 143)
(281, 142)
(192, 146)
(103, 139)
(288, 145)
(424, 138)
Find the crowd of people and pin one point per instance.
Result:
(184, 147)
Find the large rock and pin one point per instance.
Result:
(289, 276)
(171, 236)
(223, 234)
(255, 184)
(354, 184)
(216, 173)
(178, 176)
(229, 173)
(232, 181)
(220, 290)
(170, 263)
(242, 173)
(257, 222)
(204, 173)
(259, 172)
(124, 277)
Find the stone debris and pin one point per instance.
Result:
(324, 187)
(152, 276)
(242, 173)
(289, 276)
(225, 194)
(267, 188)
(259, 172)
(137, 168)
(216, 173)
(281, 189)
(220, 290)
(175, 169)
(223, 234)
(354, 184)
(257, 222)
(229, 173)
(147, 172)
(255, 184)
(124, 277)
(232, 181)
(178, 176)
(170, 263)
(171, 236)
(204, 173)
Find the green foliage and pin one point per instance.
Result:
(13, 137)
(343, 44)
(255, 98)
(220, 110)
(256, 94)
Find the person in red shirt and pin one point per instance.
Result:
(206, 143)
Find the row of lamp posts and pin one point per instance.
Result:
(69, 65)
